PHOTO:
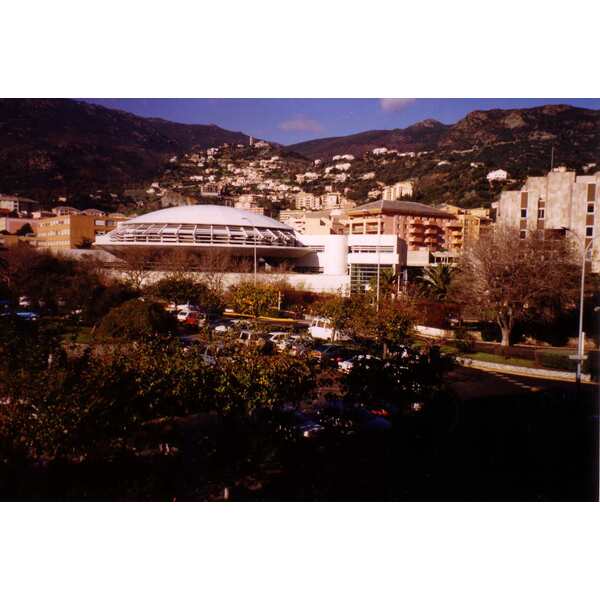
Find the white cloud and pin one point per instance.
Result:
(301, 124)
(395, 104)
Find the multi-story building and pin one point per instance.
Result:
(306, 201)
(64, 232)
(17, 204)
(314, 222)
(402, 189)
(471, 224)
(14, 224)
(560, 201)
(353, 259)
(249, 202)
(426, 230)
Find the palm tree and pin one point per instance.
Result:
(387, 282)
(436, 280)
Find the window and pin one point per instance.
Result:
(540, 213)
(523, 234)
(589, 231)
(523, 213)
(590, 208)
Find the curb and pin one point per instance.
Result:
(527, 371)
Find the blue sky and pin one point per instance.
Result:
(287, 120)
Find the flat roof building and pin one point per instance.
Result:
(68, 231)
(558, 201)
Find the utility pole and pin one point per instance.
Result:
(552, 160)
(379, 252)
(254, 232)
(579, 358)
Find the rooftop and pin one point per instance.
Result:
(208, 214)
(399, 207)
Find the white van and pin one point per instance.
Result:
(320, 328)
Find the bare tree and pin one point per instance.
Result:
(504, 277)
(213, 265)
(138, 263)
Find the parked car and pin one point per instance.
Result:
(321, 329)
(189, 313)
(352, 419)
(295, 424)
(331, 353)
(347, 365)
(195, 319)
(252, 337)
(281, 339)
(27, 315)
(189, 343)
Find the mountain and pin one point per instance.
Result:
(574, 133)
(420, 136)
(55, 147)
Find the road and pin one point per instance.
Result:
(472, 383)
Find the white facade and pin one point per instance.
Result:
(498, 175)
(334, 254)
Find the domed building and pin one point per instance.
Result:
(205, 228)
(324, 263)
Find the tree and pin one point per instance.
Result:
(255, 299)
(25, 229)
(436, 281)
(180, 289)
(506, 278)
(138, 265)
(392, 326)
(136, 319)
(339, 310)
(51, 282)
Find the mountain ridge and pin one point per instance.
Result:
(551, 122)
(57, 146)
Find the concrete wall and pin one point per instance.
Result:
(317, 282)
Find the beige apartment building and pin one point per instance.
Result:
(250, 203)
(420, 225)
(314, 222)
(473, 222)
(402, 189)
(559, 201)
(63, 232)
(431, 235)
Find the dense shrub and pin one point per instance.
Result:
(490, 332)
(93, 403)
(465, 342)
(253, 299)
(559, 360)
(136, 319)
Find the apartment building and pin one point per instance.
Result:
(306, 201)
(559, 201)
(471, 224)
(17, 204)
(314, 222)
(425, 229)
(67, 231)
(249, 202)
(402, 189)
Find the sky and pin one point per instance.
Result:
(288, 120)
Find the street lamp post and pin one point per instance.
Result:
(580, 358)
(378, 253)
(254, 235)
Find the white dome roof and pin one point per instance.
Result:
(208, 214)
